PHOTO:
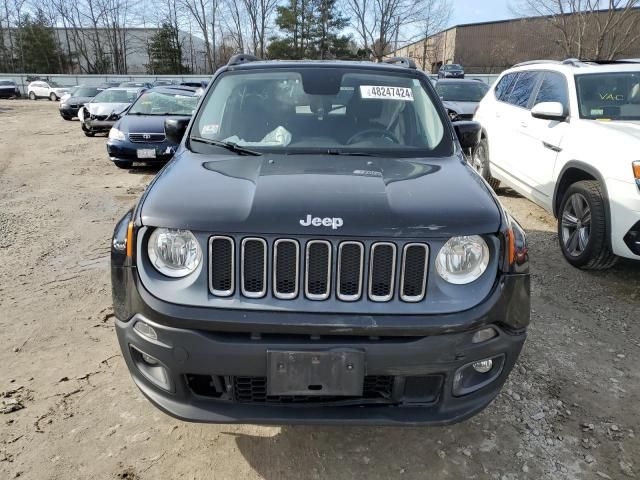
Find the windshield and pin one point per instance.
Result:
(461, 91)
(115, 96)
(7, 83)
(84, 92)
(610, 96)
(321, 110)
(452, 66)
(54, 84)
(164, 103)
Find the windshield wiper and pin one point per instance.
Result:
(233, 147)
(333, 151)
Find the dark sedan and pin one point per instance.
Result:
(139, 135)
(461, 97)
(80, 95)
(9, 89)
(451, 70)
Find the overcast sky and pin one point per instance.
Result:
(473, 11)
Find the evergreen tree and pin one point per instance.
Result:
(165, 52)
(312, 29)
(37, 46)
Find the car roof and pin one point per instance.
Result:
(174, 89)
(124, 89)
(367, 65)
(460, 80)
(577, 68)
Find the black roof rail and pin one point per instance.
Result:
(536, 62)
(402, 61)
(241, 58)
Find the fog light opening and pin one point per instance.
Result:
(151, 368)
(476, 375)
(483, 366)
(148, 359)
(484, 335)
(146, 330)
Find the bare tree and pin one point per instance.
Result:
(589, 29)
(433, 18)
(378, 23)
(199, 12)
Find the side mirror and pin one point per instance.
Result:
(468, 133)
(549, 111)
(174, 128)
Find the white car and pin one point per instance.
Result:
(566, 135)
(46, 89)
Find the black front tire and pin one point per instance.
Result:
(596, 253)
(480, 162)
(122, 164)
(32, 96)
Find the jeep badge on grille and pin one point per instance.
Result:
(334, 223)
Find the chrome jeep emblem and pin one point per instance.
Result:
(333, 222)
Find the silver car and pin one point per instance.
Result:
(105, 109)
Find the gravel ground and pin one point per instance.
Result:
(69, 409)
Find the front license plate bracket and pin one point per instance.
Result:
(330, 372)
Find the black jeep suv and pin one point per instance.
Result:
(319, 251)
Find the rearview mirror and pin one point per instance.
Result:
(468, 133)
(174, 128)
(549, 111)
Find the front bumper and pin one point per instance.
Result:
(128, 151)
(625, 215)
(94, 125)
(195, 343)
(69, 112)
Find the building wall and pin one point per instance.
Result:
(492, 47)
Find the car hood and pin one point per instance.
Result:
(462, 108)
(76, 100)
(629, 128)
(8, 87)
(276, 194)
(145, 123)
(106, 108)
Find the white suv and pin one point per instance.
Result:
(42, 89)
(566, 135)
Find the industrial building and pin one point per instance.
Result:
(491, 47)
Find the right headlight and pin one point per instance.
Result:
(463, 259)
(174, 253)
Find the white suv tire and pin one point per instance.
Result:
(582, 227)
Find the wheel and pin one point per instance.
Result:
(122, 164)
(68, 119)
(480, 162)
(32, 96)
(582, 227)
(53, 97)
(87, 132)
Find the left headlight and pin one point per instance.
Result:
(174, 253)
(115, 134)
(463, 259)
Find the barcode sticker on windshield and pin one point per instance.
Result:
(390, 93)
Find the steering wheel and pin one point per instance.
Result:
(373, 132)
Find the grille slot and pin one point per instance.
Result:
(317, 278)
(147, 137)
(413, 279)
(254, 267)
(286, 266)
(221, 266)
(382, 266)
(350, 268)
(254, 390)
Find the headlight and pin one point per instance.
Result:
(115, 134)
(463, 259)
(174, 253)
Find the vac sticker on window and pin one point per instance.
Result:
(387, 93)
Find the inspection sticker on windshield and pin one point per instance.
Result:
(389, 93)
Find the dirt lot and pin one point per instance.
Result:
(570, 409)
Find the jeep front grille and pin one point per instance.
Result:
(318, 269)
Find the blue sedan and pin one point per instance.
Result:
(139, 134)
